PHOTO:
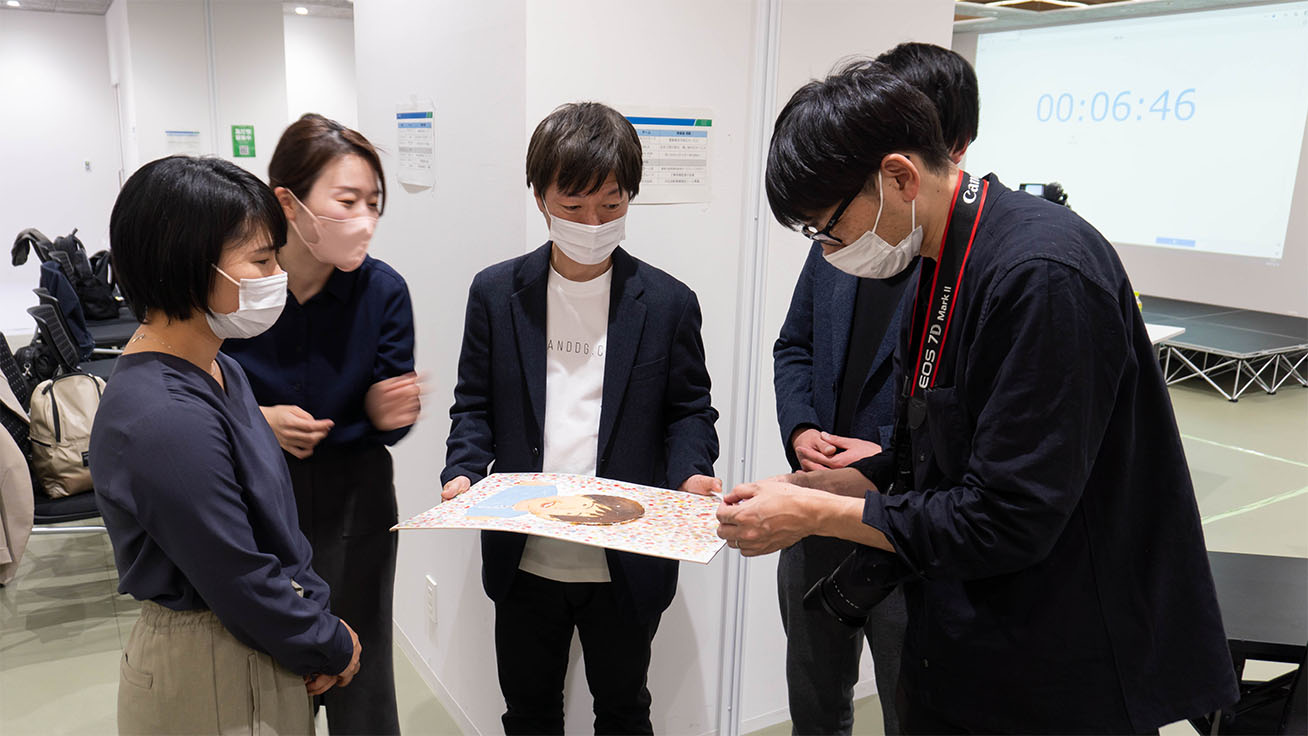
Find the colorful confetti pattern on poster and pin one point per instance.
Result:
(675, 525)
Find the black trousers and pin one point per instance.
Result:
(822, 654)
(533, 633)
(918, 719)
(346, 503)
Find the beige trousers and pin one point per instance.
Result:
(182, 672)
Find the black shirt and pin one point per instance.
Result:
(875, 303)
(197, 500)
(1056, 574)
(325, 354)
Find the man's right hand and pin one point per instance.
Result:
(813, 452)
(296, 429)
(455, 487)
(352, 668)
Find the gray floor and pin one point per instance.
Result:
(62, 625)
(63, 629)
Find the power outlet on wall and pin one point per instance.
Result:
(431, 599)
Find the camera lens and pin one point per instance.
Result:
(855, 587)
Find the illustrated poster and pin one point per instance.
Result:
(588, 510)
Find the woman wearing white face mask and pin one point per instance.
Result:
(335, 379)
(190, 481)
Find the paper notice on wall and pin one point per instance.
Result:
(243, 141)
(677, 147)
(415, 143)
(183, 142)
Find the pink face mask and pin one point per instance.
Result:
(342, 243)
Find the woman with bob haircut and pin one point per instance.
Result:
(235, 634)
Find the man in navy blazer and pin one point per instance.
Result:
(835, 380)
(579, 358)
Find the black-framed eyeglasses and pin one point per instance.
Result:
(824, 235)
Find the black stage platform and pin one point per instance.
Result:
(1259, 348)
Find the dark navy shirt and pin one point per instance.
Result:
(197, 499)
(323, 355)
(1056, 576)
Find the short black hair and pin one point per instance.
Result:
(830, 138)
(950, 82)
(171, 222)
(578, 145)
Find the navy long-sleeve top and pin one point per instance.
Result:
(1055, 568)
(325, 354)
(197, 499)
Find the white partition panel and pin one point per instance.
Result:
(493, 70)
(469, 60)
(660, 58)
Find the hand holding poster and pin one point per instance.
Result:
(588, 510)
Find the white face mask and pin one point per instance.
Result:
(871, 257)
(261, 304)
(587, 244)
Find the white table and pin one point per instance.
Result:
(1161, 333)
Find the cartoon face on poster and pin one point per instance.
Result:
(584, 509)
(545, 502)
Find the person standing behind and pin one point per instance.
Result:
(578, 358)
(835, 379)
(235, 634)
(334, 377)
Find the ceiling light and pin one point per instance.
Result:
(301, 10)
(13, 3)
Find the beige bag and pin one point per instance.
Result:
(63, 409)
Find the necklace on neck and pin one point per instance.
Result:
(141, 335)
(213, 369)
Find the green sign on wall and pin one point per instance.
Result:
(243, 141)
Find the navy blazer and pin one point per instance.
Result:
(656, 420)
(808, 358)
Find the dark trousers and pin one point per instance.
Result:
(346, 503)
(822, 654)
(919, 719)
(533, 633)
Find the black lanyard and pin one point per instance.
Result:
(933, 310)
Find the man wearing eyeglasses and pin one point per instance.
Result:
(1035, 504)
(834, 378)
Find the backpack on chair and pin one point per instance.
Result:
(63, 410)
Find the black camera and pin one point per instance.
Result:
(855, 587)
(1053, 191)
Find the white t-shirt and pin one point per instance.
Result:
(576, 330)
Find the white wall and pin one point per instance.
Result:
(815, 34)
(169, 70)
(469, 58)
(518, 60)
(57, 113)
(320, 68)
(122, 78)
(161, 61)
(250, 65)
(687, 54)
